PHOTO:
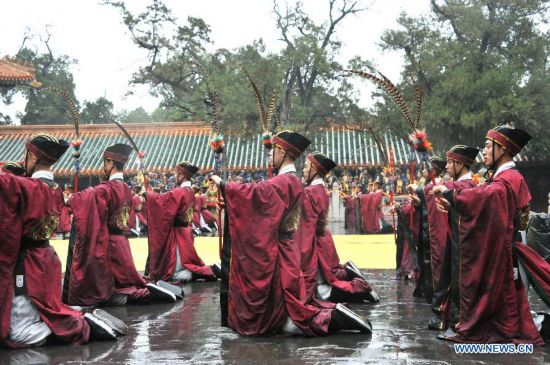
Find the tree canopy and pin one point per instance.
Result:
(479, 62)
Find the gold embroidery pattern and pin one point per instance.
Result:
(45, 227)
(123, 218)
(291, 220)
(188, 215)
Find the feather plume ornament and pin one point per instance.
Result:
(216, 142)
(75, 118)
(418, 139)
(379, 143)
(419, 142)
(418, 93)
(268, 117)
(395, 95)
(259, 102)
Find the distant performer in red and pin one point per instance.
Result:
(263, 291)
(172, 254)
(318, 252)
(371, 209)
(100, 267)
(64, 227)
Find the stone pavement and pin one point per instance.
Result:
(189, 332)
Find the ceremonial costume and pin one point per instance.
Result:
(371, 212)
(443, 231)
(317, 249)
(493, 299)
(101, 268)
(30, 271)
(424, 285)
(407, 237)
(172, 254)
(266, 290)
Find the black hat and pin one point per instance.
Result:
(514, 139)
(294, 143)
(438, 163)
(464, 154)
(322, 163)
(187, 169)
(119, 152)
(14, 168)
(47, 148)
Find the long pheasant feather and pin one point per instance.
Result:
(385, 84)
(259, 102)
(271, 110)
(418, 91)
(378, 142)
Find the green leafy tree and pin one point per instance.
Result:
(303, 74)
(97, 112)
(45, 106)
(481, 63)
(138, 115)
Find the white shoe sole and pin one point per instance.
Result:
(104, 326)
(160, 293)
(115, 323)
(176, 290)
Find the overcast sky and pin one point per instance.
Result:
(94, 35)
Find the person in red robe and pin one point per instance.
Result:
(407, 236)
(64, 227)
(371, 209)
(263, 291)
(444, 240)
(493, 298)
(424, 284)
(14, 168)
(100, 266)
(443, 246)
(139, 226)
(316, 243)
(172, 254)
(209, 218)
(31, 311)
(349, 205)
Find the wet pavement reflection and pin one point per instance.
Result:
(189, 332)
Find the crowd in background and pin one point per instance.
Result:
(347, 179)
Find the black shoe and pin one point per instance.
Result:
(447, 335)
(344, 319)
(436, 323)
(160, 294)
(217, 269)
(545, 329)
(178, 292)
(120, 327)
(353, 271)
(372, 297)
(99, 330)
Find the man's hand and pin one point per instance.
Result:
(216, 179)
(443, 205)
(415, 200)
(438, 190)
(411, 188)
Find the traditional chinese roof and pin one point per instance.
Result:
(13, 73)
(165, 144)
